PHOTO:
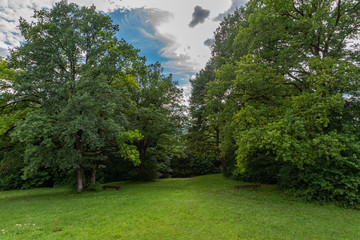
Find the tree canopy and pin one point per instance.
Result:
(82, 87)
(285, 95)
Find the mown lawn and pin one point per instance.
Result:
(204, 207)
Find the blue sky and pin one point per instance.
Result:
(171, 32)
(132, 27)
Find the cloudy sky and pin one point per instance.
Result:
(176, 33)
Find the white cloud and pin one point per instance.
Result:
(184, 46)
(10, 12)
(186, 92)
(182, 42)
(234, 4)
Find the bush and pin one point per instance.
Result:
(326, 181)
(332, 181)
(261, 168)
(9, 182)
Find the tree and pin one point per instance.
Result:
(290, 88)
(211, 105)
(293, 82)
(203, 138)
(76, 75)
(158, 115)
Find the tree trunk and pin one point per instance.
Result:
(80, 171)
(142, 152)
(93, 174)
(222, 158)
(223, 164)
(84, 178)
(80, 179)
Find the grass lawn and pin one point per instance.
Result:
(204, 207)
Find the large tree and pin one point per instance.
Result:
(203, 134)
(289, 77)
(76, 74)
(299, 85)
(211, 132)
(158, 115)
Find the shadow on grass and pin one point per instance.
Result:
(35, 193)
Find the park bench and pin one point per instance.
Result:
(253, 186)
(111, 186)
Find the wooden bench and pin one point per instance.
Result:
(253, 186)
(111, 186)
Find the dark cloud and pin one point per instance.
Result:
(209, 42)
(235, 4)
(199, 15)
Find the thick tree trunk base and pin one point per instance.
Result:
(80, 179)
(93, 174)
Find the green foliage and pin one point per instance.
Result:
(83, 99)
(11, 181)
(128, 151)
(76, 75)
(158, 116)
(11, 161)
(203, 138)
(286, 93)
(327, 180)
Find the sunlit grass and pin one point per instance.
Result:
(198, 208)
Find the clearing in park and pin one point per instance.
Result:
(206, 207)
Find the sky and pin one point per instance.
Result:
(178, 34)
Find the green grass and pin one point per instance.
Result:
(204, 207)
